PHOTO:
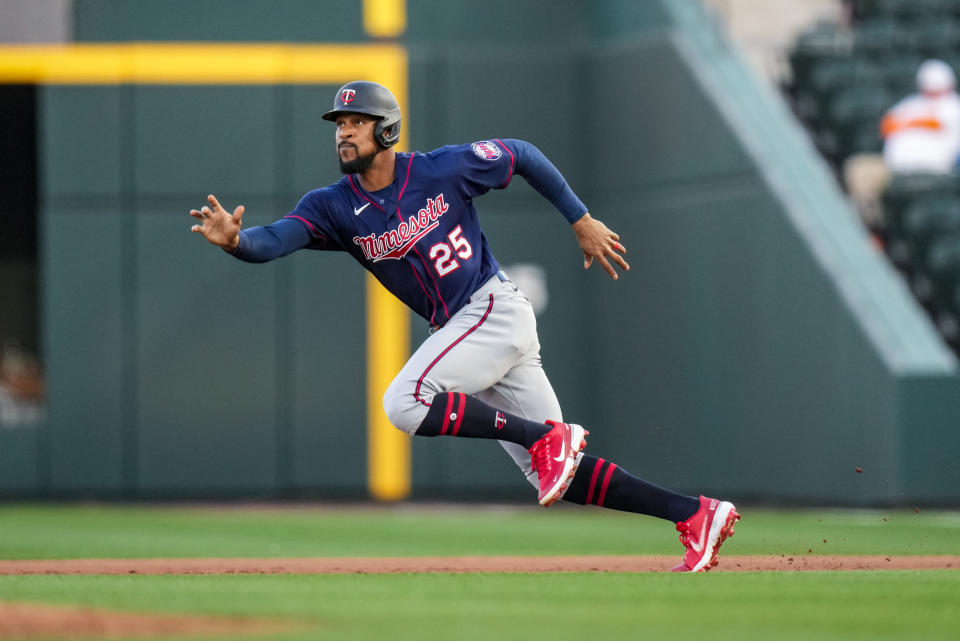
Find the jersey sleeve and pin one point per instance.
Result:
(314, 213)
(543, 176)
(490, 164)
(306, 227)
(263, 244)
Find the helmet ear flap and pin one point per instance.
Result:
(387, 135)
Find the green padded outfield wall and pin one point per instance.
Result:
(757, 349)
(172, 370)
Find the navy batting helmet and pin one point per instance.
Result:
(364, 97)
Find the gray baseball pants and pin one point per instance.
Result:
(489, 349)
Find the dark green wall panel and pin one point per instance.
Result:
(427, 120)
(538, 101)
(736, 361)
(648, 122)
(309, 149)
(497, 23)
(198, 140)
(84, 313)
(456, 469)
(326, 364)
(216, 20)
(930, 406)
(612, 19)
(21, 452)
(85, 122)
(206, 361)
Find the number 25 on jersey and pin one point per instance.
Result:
(443, 253)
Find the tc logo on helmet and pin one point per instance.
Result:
(347, 96)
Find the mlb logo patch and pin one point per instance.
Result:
(486, 150)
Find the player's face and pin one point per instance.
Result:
(356, 146)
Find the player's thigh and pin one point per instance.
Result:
(476, 349)
(472, 352)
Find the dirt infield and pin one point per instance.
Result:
(32, 621)
(386, 565)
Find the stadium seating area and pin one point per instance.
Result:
(844, 77)
(922, 215)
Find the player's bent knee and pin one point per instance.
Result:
(401, 408)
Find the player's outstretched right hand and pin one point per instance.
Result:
(598, 242)
(217, 225)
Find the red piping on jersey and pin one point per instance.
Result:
(426, 293)
(434, 280)
(416, 392)
(309, 225)
(432, 302)
(400, 195)
(361, 194)
(510, 173)
(593, 479)
(606, 483)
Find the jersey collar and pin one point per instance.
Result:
(362, 193)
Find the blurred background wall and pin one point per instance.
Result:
(761, 347)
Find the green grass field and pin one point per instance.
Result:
(427, 607)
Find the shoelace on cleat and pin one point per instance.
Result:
(684, 529)
(539, 452)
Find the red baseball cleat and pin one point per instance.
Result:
(704, 532)
(555, 458)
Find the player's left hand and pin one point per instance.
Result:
(598, 242)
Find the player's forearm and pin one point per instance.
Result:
(263, 244)
(537, 170)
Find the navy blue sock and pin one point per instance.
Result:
(602, 483)
(458, 414)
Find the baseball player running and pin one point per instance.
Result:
(409, 219)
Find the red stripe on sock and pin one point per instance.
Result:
(606, 484)
(446, 416)
(593, 479)
(460, 406)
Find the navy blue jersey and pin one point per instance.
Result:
(420, 236)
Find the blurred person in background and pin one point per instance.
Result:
(921, 135)
(922, 131)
